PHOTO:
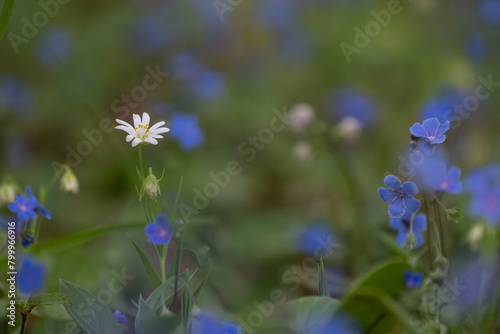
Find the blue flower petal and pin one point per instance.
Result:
(417, 130)
(419, 223)
(398, 225)
(396, 208)
(386, 195)
(410, 188)
(431, 126)
(401, 238)
(412, 204)
(443, 128)
(392, 182)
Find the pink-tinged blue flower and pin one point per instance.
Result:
(121, 318)
(186, 131)
(161, 231)
(400, 196)
(413, 280)
(31, 277)
(402, 226)
(486, 205)
(431, 130)
(436, 176)
(316, 240)
(208, 324)
(351, 102)
(490, 12)
(27, 207)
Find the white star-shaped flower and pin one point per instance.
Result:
(141, 132)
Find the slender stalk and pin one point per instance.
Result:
(23, 324)
(140, 160)
(428, 232)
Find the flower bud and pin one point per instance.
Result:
(151, 186)
(69, 182)
(411, 240)
(7, 193)
(301, 116)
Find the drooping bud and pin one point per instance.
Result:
(151, 185)
(411, 240)
(69, 182)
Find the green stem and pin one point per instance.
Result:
(5, 16)
(428, 232)
(23, 323)
(140, 160)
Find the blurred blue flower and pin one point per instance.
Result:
(490, 11)
(316, 240)
(431, 130)
(435, 175)
(27, 207)
(121, 318)
(208, 324)
(401, 197)
(413, 280)
(487, 205)
(55, 46)
(475, 47)
(161, 231)
(402, 226)
(276, 15)
(355, 103)
(27, 239)
(185, 66)
(209, 85)
(149, 35)
(341, 324)
(483, 179)
(161, 108)
(443, 106)
(31, 277)
(15, 95)
(295, 46)
(185, 129)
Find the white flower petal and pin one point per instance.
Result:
(124, 123)
(130, 137)
(151, 140)
(160, 130)
(156, 136)
(145, 118)
(127, 129)
(156, 126)
(136, 142)
(137, 120)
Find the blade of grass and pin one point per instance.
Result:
(152, 275)
(5, 16)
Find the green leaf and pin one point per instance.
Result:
(89, 314)
(150, 271)
(174, 209)
(50, 298)
(162, 294)
(309, 314)
(5, 16)
(454, 214)
(186, 304)
(72, 240)
(144, 316)
(322, 286)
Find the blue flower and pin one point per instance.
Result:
(402, 226)
(443, 107)
(185, 129)
(160, 232)
(31, 278)
(15, 95)
(27, 239)
(483, 179)
(149, 35)
(341, 323)
(431, 130)
(207, 324)
(316, 240)
(413, 280)
(27, 207)
(185, 66)
(487, 205)
(401, 197)
(209, 85)
(121, 318)
(490, 11)
(435, 175)
(354, 103)
(55, 46)
(475, 47)
(276, 15)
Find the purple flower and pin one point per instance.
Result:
(431, 130)
(399, 196)
(435, 175)
(27, 207)
(160, 232)
(402, 226)
(185, 129)
(413, 280)
(31, 278)
(121, 318)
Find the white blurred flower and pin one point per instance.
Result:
(301, 116)
(302, 151)
(7, 193)
(475, 235)
(141, 132)
(69, 182)
(349, 128)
